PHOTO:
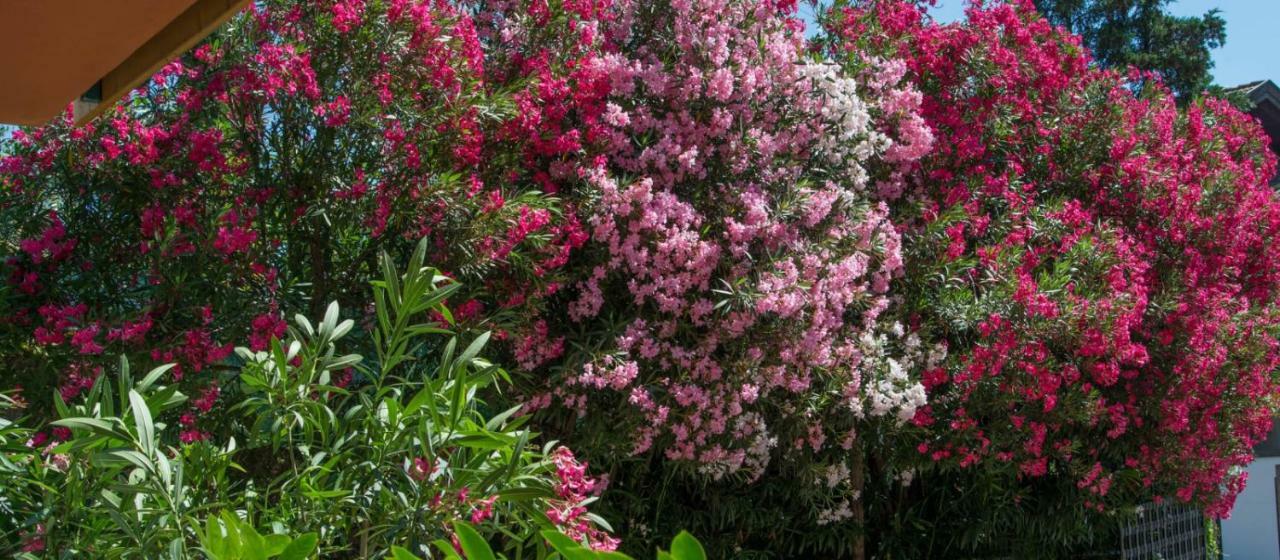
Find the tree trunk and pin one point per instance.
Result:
(857, 480)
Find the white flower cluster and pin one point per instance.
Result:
(905, 477)
(753, 459)
(849, 138)
(761, 446)
(888, 385)
(836, 474)
(840, 512)
(836, 479)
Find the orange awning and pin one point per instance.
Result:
(54, 51)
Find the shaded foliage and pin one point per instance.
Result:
(1143, 34)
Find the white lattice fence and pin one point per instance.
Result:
(1166, 532)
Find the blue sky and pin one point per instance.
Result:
(1252, 51)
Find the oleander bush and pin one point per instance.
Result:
(1099, 265)
(265, 171)
(880, 287)
(732, 326)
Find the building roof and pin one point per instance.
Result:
(1265, 97)
(54, 52)
(1261, 91)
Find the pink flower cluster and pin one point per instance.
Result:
(568, 513)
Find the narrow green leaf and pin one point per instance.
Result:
(117, 457)
(523, 494)
(91, 424)
(305, 323)
(419, 256)
(446, 548)
(685, 547)
(484, 440)
(275, 544)
(473, 545)
(567, 547)
(399, 553)
(426, 328)
(342, 329)
(142, 419)
(60, 405)
(602, 522)
(391, 279)
(94, 425)
(516, 453)
(330, 319)
(501, 418)
(474, 348)
(425, 397)
(301, 548)
(343, 362)
(153, 376)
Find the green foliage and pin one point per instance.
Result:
(733, 517)
(114, 484)
(13, 438)
(1144, 35)
(967, 514)
(472, 546)
(227, 537)
(393, 453)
